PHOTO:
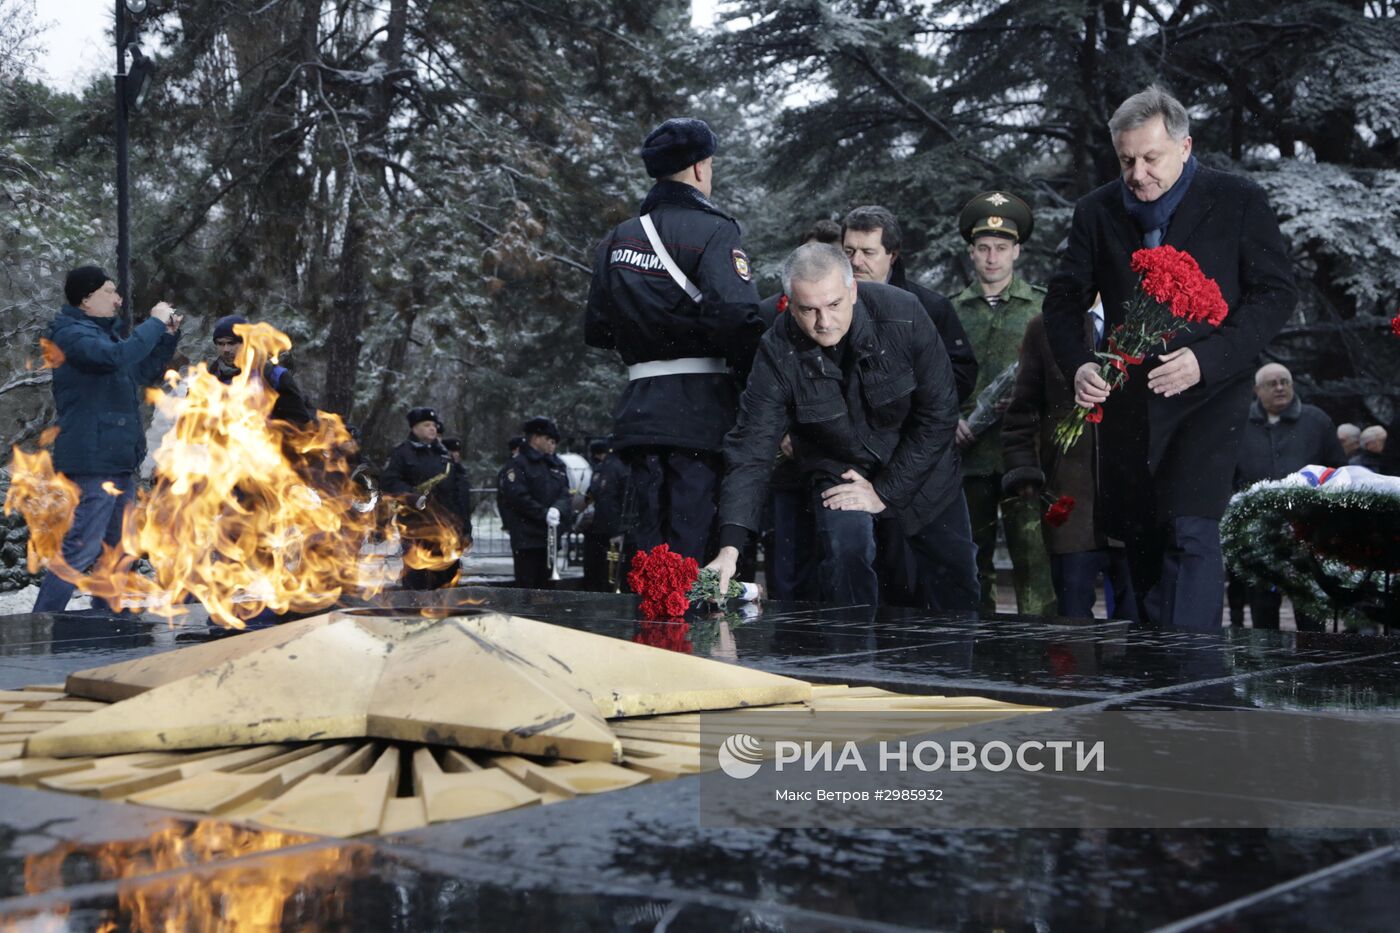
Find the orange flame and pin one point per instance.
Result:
(255, 893)
(47, 501)
(52, 355)
(244, 513)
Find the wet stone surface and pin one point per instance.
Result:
(640, 860)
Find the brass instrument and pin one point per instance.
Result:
(426, 487)
(552, 552)
(615, 564)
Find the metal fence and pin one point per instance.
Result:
(489, 538)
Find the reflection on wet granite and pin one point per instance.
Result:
(924, 878)
(53, 841)
(638, 859)
(1360, 895)
(386, 889)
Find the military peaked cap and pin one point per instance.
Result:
(996, 213)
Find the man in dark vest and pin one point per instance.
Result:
(673, 294)
(1169, 439)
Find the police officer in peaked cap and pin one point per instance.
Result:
(533, 484)
(673, 294)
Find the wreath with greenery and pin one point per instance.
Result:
(1333, 552)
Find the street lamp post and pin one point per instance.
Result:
(123, 192)
(129, 84)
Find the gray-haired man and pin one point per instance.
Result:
(1169, 438)
(861, 382)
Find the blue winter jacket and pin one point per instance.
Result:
(98, 390)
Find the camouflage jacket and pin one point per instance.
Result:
(995, 335)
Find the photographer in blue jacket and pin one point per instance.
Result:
(97, 389)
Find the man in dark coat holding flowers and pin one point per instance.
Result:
(1169, 437)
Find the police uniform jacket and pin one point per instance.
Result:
(608, 490)
(97, 390)
(1167, 457)
(996, 334)
(413, 463)
(888, 409)
(635, 308)
(531, 484)
(950, 329)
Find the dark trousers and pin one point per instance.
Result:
(532, 570)
(896, 566)
(943, 553)
(946, 561)
(1236, 596)
(792, 560)
(1264, 605)
(1186, 587)
(677, 496)
(96, 521)
(595, 563)
(1076, 578)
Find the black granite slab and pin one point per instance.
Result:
(639, 859)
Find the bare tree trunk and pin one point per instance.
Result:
(379, 413)
(352, 278)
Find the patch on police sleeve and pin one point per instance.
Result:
(510, 476)
(741, 264)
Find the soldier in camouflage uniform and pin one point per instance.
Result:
(994, 311)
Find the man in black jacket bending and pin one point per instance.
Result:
(864, 386)
(673, 293)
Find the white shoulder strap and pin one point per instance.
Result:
(659, 248)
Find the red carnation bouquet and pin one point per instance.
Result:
(669, 583)
(1171, 290)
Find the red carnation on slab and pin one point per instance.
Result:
(662, 578)
(1395, 324)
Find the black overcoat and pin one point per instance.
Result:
(1159, 457)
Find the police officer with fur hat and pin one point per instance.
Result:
(995, 310)
(673, 294)
(432, 492)
(533, 490)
